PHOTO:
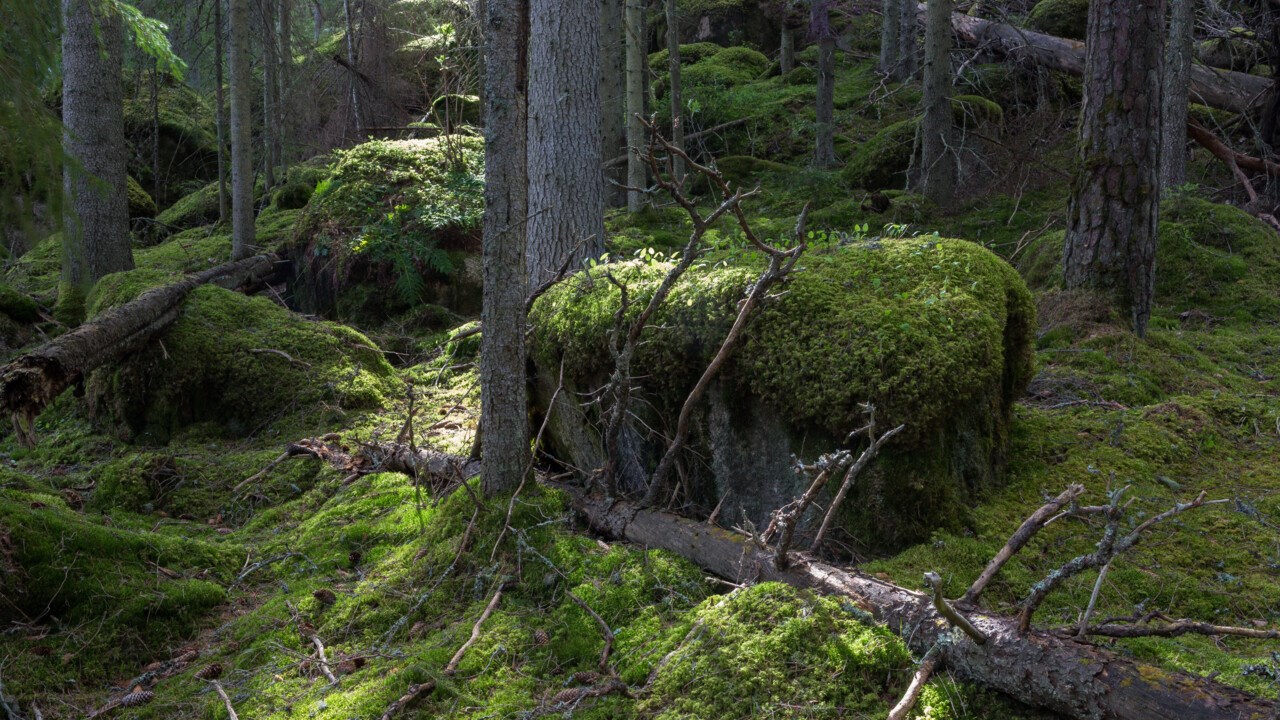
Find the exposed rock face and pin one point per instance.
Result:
(936, 333)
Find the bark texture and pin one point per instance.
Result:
(937, 154)
(637, 64)
(96, 237)
(787, 48)
(908, 41)
(270, 93)
(504, 403)
(1111, 217)
(220, 113)
(613, 123)
(824, 150)
(1177, 88)
(566, 196)
(677, 100)
(243, 234)
(1042, 669)
(356, 116)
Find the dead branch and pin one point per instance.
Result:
(437, 469)
(1176, 628)
(934, 581)
(869, 454)
(787, 518)
(687, 138)
(928, 664)
(226, 700)
(324, 661)
(452, 667)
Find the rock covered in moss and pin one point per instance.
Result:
(243, 362)
(140, 203)
(187, 142)
(936, 333)
(1063, 18)
(689, 54)
(882, 161)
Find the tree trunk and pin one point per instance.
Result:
(677, 102)
(1222, 89)
(317, 18)
(613, 124)
(96, 227)
(937, 154)
(155, 128)
(1111, 230)
(284, 78)
(637, 177)
(566, 197)
(352, 71)
(1041, 669)
(908, 41)
(1271, 114)
(220, 113)
(504, 401)
(787, 51)
(243, 238)
(1173, 110)
(824, 151)
(30, 382)
(269, 92)
(890, 38)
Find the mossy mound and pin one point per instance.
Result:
(188, 145)
(1063, 18)
(140, 203)
(18, 306)
(730, 67)
(1211, 257)
(882, 161)
(245, 363)
(192, 210)
(689, 54)
(974, 110)
(936, 333)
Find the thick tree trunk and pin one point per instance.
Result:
(29, 383)
(824, 150)
(270, 62)
(890, 38)
(96, 227)
(937, 155)
(677, 99)
(1173, 109)
(1042, 669)
(284, 81)
(504, 401)
(220, 113)
(357, 117)
(637, 61)
(613, 123)
(1111, 217)
(1222, 89)
(787, 49)
(243, 239)
(566, 197)
(908, 41)
(1271, 113)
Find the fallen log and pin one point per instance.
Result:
(1043, 669)
(1222, 89)
(30, 382)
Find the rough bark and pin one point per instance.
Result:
(1173, 109)
(937, 155)
(824, 150)
(505, 440)
(1271, 113)
(636, 66)
(270, 121)
(220, 113)
(908, 41)
(1042, 669)
(566, 196)
(613, 123)
(284, 81)
(32, 381)
(677, 100)
(1222, 89)
(890, 21)
(787, 48)
(356, 116)
(96, 228)
(243, 239)
(1112, 213)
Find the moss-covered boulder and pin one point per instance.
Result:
(936, 333)
(243, 363)
(140, 203)
(882, 161)
(689, 54)
(1211, 257)
(187, 142)
(396, 225)
(1064, 18)
(729, 67)
(191, 211)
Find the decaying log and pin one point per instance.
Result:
(1038, 668)
(30, 382)
(1222, 89)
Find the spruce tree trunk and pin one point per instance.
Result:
(317, 19)
(824, 151)
(613, 123)
(269, 120)
(220, 113)
(908, 37)
(504, 401)
(937, 157)
(787, 52)
(284, 77)
(96, 227)
(243, 238)
(637, 178)
(356, 115)
(891, 38)
(1177, 87)
(673, 67)
(1111, 233)
(566, 196)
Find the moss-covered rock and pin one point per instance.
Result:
(17, 305)
(192, 210)
(882, 161)
(729, 67)
(187, 142)
(975, 110)
(689, 54)
(140, 203)
(244, 363)
(293, 195)
(936, 333)
(1064, 18)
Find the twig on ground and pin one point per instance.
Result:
(869, 454)
(928, 664)
(945, 610)
(226, 700)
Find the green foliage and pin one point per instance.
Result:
(149, 36)
(882, 161)
(689, 54)
(17, 306)
(1064, 18)
(140, 203)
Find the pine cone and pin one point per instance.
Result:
(325, 597)
(586, 677)
(187, 656)
(566, 696)
(210, 672)
(75, 500)
(540, 638)
(136, 698)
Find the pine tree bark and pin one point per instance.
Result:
(937, 157)
(908, 37)
(677, 100)
(637, 177)
(504, 401)
(357, 117)
(96, 227)
(890, 38)
(243, 239)
(787, 49)
(613, 123)
(1177, 88)
(284, 78)
(566, 196)
(220, 113)
(270, 125)
(1112, 213)
(824, 151)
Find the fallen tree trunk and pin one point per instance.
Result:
(1222, 89)
(1042, 669)
(30, 382)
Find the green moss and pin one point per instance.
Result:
(1064, 18)
(975, 109)
(727, 68)
(140, 203)
(18, 306)
(293, 195)
(187, 143)
(193, 210)
(882, 161)
(689, 54)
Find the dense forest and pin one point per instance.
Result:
(669, 359)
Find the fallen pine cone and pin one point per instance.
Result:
(75, 500)
(187, 656)
(325, 596)
(586, 677)
(136, 698)
(540, 638)
(210, 672)
(566, 696)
